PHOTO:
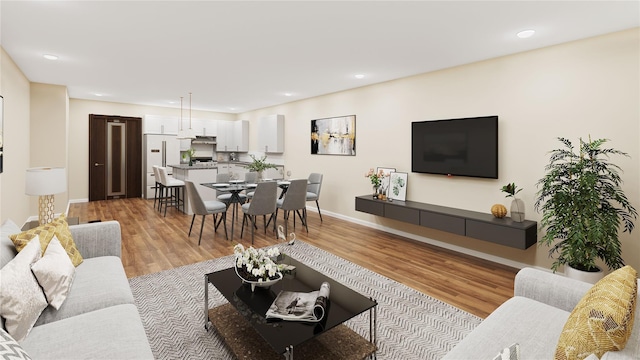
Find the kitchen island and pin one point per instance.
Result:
(198, 173)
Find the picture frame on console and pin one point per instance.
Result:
(384, 183)
(398, 185)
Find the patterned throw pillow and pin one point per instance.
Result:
(603, 319)
(10, 349)
(57, 227)
(21, 298)
(55, 273)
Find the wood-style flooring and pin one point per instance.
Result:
(152, 242)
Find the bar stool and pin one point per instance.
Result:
(158, 187)
(170, 191)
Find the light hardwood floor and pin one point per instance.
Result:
(152, 242)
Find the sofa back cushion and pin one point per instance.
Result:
(7, 249)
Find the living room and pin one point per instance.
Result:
(587, 87)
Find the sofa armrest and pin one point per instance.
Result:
(98, 239)
(555, 290)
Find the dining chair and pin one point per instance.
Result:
(225, 196)
(171, 188)
(250, 178)
(263, 203)
(294, 200)
(313, 190)
(204, 208)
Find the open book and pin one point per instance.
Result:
(299, 306)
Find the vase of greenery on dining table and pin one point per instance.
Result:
(260, 165)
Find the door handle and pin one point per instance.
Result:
(96, 164)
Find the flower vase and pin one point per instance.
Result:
(375, 191)
(517, 210)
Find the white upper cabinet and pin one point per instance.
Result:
(165, 125)
(204, 127)
(271, 134)
(233, 136)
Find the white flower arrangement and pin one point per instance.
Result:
(257, 265)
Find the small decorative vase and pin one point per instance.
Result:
(517, 210)
(375, 191)
(259, 176)
(190, 162)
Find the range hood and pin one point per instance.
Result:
(207, 140)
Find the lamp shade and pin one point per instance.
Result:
(45, 181)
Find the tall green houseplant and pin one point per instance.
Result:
(583, 206)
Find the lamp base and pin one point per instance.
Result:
(46, 208)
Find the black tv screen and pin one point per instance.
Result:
(460, 147)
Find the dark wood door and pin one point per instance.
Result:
(100, 177)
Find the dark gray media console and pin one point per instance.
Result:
(473, 224)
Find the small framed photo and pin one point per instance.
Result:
(385, 180)
(398, 186)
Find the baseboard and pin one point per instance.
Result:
(441, 244)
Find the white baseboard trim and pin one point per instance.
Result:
(441, 244)
(73, 201)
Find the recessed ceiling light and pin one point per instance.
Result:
(97, 94)
(50, 57)
(288, 94)
(525, 34)
(359, 76)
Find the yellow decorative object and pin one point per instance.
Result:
(57, 227)
(603, 319)
(499, 211)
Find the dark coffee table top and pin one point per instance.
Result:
(344, 304)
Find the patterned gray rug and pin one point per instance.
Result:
(411, 325)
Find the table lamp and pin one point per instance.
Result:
(45, 182)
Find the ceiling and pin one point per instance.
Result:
(236, 56)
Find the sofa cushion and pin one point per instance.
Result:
(99, 282)
(535, 326)
(115, 332)
(602, 321)
(57, 227)
(21, 299)
(7, 249)
(55, 273)
(10, 349)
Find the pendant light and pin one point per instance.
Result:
(189, 133)
(181, 134)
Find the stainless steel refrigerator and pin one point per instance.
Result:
(161, 150)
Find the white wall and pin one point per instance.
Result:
(587, 87)
(79, 111)
(14, 87)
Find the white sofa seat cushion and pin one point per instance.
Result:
(115, 332)
(533, 325)
(99, 282)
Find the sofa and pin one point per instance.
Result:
(534, 319)
(99, 318)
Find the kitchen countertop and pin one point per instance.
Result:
(202, 166)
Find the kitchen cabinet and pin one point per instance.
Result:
(233, 136)
(163, 125)
(204, 127)
(271, 134)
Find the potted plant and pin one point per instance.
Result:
(583, 206)
(517, 205)
(259, 165)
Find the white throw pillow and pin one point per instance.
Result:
(21, 298)
(55, 273)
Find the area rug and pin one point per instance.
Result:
(411, 325)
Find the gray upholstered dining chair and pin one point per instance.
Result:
(204, 208)
(171, 190)
(295, 200)
(313, 190)
(225, 196)
(263, 203)
(250, 177)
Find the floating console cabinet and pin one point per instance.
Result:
(520, 235)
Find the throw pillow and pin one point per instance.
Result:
(10, 349)
(57, 227)
(21, 298)
(603, 319)
(55, 273)
(509, 353)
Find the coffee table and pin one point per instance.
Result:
(283, 336)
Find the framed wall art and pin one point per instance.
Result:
(334, 136)
(398, 186)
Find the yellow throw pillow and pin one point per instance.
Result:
(603, 319)
(57, 227)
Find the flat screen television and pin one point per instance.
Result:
(460, 147)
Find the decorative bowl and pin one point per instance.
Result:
(261, 284)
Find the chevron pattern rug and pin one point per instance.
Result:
(411, 325)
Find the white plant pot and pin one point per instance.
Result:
(586, 276)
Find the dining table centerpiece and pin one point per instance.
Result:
(257, 266)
